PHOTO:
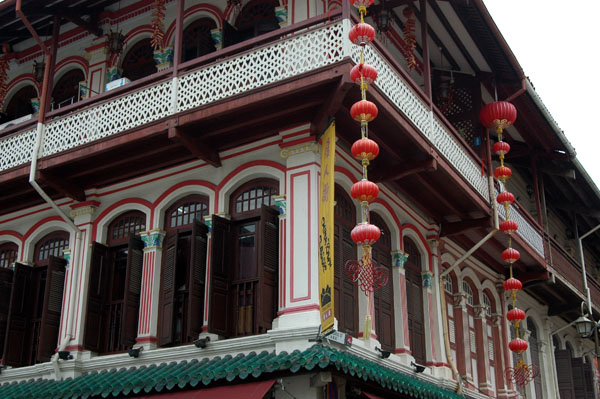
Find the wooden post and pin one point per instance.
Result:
(536, 190)
(178, 36)
(425, 46)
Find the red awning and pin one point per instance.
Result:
(253, 390)
(371, 396)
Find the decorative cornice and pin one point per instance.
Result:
(399, 258)
(460, 299)
(152, 239)
(480, 311)
(426, 277)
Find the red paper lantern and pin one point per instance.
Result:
(368, 72)
(498, 115)
(361, 34)
(364, 110)
(518, 345)
(361, 3)
(502, 173)
(365, 234)
(515, 314)
(510, 255)
(512, 285)
(501, 148)
(364, 190)
(509, 226)
(365, 149)
(505, 198)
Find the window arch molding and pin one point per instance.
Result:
(409, 231)
(103, 221)
(182, 212)
(144, 66)
(245, 173)
(384, 212)
(21, 84)
(63, 88)
(178, 191)
(52, 244)
(9, 253)
(193, 13)
(39, 231)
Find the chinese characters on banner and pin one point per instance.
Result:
(326, 198)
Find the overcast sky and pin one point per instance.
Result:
(557, 45)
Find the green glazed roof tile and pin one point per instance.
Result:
(188, 374)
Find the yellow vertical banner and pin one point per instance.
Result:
(326, 198)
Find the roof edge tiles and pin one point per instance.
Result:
(197, 373)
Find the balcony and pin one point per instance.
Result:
(288, 53)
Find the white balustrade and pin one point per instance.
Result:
(292, 56)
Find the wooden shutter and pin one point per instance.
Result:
(196, 280)
(231, 35)
(133, 286)
(414, 299)
(6, 278)
(344, 289)
(96, 298)
(384, 313)
(268, 268)
(583, 385)
(19, 314)
(52, 306)
(167, 289)
(565, 376)
(221, 255)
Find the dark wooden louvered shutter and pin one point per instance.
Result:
(268, 268)
(96, 298)
(197, 280)
(53, 296)
(6, 278)
(414, 299)
(221, 254)
(565, 376)
(344, 289)
(384, 313)
(231, 35)
(581, 372)
(133, 286)
(19, 314)
(167, 289)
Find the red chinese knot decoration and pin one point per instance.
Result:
(364, 272)
(522, 373)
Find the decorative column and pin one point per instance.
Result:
(483, 355)
(440, 367)
(298, 300)
(83, 215)
(461, 320)
(208, 223)
(217, 36)
(150, 295)
(399, 258)
(431, 353)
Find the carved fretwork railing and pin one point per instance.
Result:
(527, 231)
(291, 55)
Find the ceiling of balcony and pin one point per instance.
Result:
(83, 13)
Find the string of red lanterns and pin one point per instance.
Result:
(499, 115)
(363, 272)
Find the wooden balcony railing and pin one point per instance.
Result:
(278, 55)
(570, 269)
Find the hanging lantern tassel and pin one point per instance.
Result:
(158, 14)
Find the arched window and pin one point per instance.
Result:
(345, 292)
(66, 90)
(414, 300)
(139, 61)
(20, 104)
(114, 286)
(197, 39)
(535, 356)
(33, 320)
(245, 262)
(8, 254)
(384, 296)
(257, 17)
(183, 272)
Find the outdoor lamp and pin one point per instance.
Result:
(584, 326)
